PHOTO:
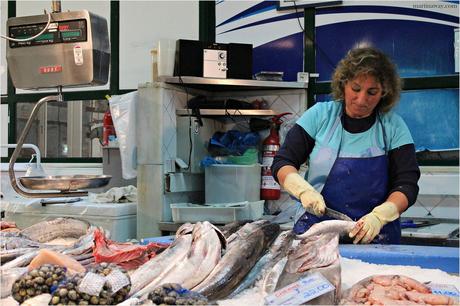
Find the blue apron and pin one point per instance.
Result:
(354, 185)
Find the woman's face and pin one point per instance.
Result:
(362, 94)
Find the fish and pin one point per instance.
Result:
(271, 278)
(232, 227)
(52, 229)
(316, 250)
(82, 245)
(328, 226)
(243, 250)
(20, 261)
(16, 242)
(8, 255)
(202, 257)
(265, 263)
(149, 271)
(313, 252)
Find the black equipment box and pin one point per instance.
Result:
(216, 60)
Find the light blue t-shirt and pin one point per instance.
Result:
(318, 121)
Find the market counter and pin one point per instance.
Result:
(430, 257)
(117, 218)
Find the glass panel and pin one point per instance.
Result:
(421, 42)
(142, 24)
(432, 116)
(69, 129)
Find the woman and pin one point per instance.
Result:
(361, 156)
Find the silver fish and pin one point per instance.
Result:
(9, 255)
(202, 257)
(149, 271)
(265, 263)
(52, 229)
(328, 226)
(271, 278)
(313, 252)
(243, 251)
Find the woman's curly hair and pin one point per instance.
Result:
(368, 60)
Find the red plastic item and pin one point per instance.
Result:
(270, 189)
(107, 127)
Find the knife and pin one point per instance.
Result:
(334, 214)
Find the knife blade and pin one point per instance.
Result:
(334, 214)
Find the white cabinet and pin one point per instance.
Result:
(159, 105)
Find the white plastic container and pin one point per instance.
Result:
(118, 218)
(186, 212)
(232, 183)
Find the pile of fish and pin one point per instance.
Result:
(67, 236)
(317, 250)
(201, 260)
(393, 290)
(203, 264)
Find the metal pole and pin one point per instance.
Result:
(16, 152)
(56, 6)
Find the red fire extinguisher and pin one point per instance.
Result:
(107, 127)
(270, 189)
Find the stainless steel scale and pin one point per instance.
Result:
(56, 50)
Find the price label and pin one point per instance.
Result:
(302, 291)
(444, 289)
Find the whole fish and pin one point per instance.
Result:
(276, 251)
(202, 257)
(11, 243)
(271, 278)
(20, 261)
(149, 271)
(328, 226)
(318, 251)
(313, 252)
(232, 227)
(9, 255)
(59, 227)
(243, 250)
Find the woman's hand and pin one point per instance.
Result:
(371, 224)
(311, 199)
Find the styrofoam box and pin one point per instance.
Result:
(118, 218)
(186, 212)
(232, 183)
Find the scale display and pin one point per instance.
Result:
(58, 32)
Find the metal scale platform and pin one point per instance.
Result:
(56, 50)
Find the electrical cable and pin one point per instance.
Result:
(315, 45)
(30, 38)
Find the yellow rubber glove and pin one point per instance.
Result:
(311, 200)
(371, 224)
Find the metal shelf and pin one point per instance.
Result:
(228, 112)
(231, 84)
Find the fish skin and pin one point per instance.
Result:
(247, 244)
(277, 250)
(314, 252)
(52, 229)
(232, 227)
(271, 279)
(145, 277)
(20, 261)
(328, 226)
(8, 255)
(201, 258)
